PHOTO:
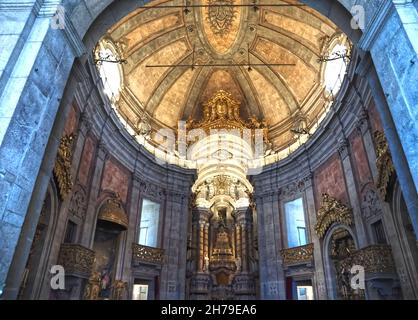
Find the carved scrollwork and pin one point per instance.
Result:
(222, 112)
(384, 163)
(374, 259)
(221, 15)
(77, 206)
(76, 260)
(62, 168)
(112, 211)
(292, 189)
(331, 211)
(146, 254)
(370, 204)
(297, 255)
(119, 288)
(92, 289)
(151, 190)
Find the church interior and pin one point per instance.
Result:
(209, 150)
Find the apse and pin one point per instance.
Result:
(208, 150)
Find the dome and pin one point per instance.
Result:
(271, 60)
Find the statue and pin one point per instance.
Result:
(119, 288)
(92, 289)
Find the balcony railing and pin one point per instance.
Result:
(374, 259)
(298, 255)
(141, 254)
(76, 260)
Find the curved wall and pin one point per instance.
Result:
(38, 80)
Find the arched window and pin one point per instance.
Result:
(109, 65)
(336, 62)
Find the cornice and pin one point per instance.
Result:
(376, 25)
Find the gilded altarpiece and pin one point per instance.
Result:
(222, 252)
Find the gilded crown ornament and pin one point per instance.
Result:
(222, 112)
(332, 210)
(112, 211)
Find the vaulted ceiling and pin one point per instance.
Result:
(223, 35)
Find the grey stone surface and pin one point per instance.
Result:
(34, 69)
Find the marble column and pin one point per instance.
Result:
(243, 227)
(200, 281)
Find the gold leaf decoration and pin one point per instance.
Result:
(144, 254)
(222, 111)
(112, 211)
(331, 211)
(374, 258)
(62, 169)
(298, 255)
(76, 259)
(384, 163)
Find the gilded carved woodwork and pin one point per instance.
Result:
(222, 257)
(76, 259)
(374, 259)
(78, 203)
(384, 163)
(62, 168)
(119, 288)
(92, 289)
(342, 248)
(331, 211)
(297, 255)
(146, 254)
(222, 112)
(112, 211)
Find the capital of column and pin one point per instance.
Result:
(85, 123)
(343, 148)
(102, 152)
(201, 215)
(363, 124)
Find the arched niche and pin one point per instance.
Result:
(339, 243)
(407, 241)
(111, 223)
(36, 268)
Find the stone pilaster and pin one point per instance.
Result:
(84, 128)
(319, 283)
(90, 221)
(173, 276)
(363, 126)
(133, 212)
(272, 280)
(393, 137)
(344, 150)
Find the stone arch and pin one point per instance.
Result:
(407, 242)
(38, 262)
(92, 23)
(371, 209)
(92, 20)
(330, 274)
